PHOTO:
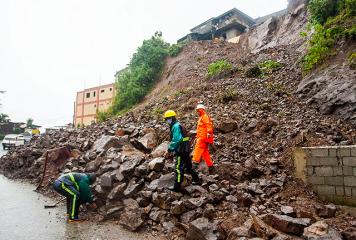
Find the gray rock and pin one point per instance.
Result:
(106, 142)
(288, 210)
(321, 231)
(117, 192)
(149, 141)
(206, 229)
(287, 224)
(157, 214)
(160, 150)
(164, 181)
(129, 165)
(133, 187)
(132, 219)
(227, 126)
(177, 208)
(160, 200)
(326, 211)
(156, 164)
(106, 180)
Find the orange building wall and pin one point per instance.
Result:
(91, 100)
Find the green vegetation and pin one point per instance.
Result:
(29, 122)
(4, 118)
(218, 67)
(144, 69)
(175, 49)
(352, 60)
(263, 69)
(2, 136)
(269, 66)
(253, 71)
(230, 94)
(102, 116)
(331, 21)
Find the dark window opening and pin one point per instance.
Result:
(88, 95)
(102, 90)
(110, 89)
(94, 94)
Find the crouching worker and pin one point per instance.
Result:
(75, 187)
(180, 148)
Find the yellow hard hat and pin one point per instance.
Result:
(170, 113)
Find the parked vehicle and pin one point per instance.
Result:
(12, 140)
(27, 136)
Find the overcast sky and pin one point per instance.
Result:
(50, 49)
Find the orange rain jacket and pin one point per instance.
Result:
(205, 127)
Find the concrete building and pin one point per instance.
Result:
(92, 100)
(227, 26)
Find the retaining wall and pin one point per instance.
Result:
(330, 170)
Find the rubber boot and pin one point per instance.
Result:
(175, 188)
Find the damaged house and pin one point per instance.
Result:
(228, 26)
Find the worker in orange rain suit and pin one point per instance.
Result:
(204, 137)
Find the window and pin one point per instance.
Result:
(94, 93)
(95, 105)
(102, 90)
(88, 94)
(110, 89)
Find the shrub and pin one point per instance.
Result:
(144, 69)
(352, 60)
(102, 116)
(269, 66)
(253, 71)
(218, 67)
(175, 49)
(2, 136)
(331, 20)
(228, 95)
(321, 10)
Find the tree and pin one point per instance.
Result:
(4, 118)
(141, 73)
(29, 122)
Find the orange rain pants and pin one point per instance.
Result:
(201, 149)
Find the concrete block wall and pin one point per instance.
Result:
(330, 170)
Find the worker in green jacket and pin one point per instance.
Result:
(75, 187)
(180, 148)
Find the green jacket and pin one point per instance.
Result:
(176, 137)
(81, 181)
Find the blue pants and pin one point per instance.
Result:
(72, 195)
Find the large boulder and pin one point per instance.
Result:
(287, 224)
(117, 192)
(160, 150)
(164, 181)
(201, 228)
(326, 211)
(156, 164)
(106, 142)
(321, 231)
(227, 126)
(149, 140)
(132, 217)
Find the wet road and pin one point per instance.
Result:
(23, 216)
